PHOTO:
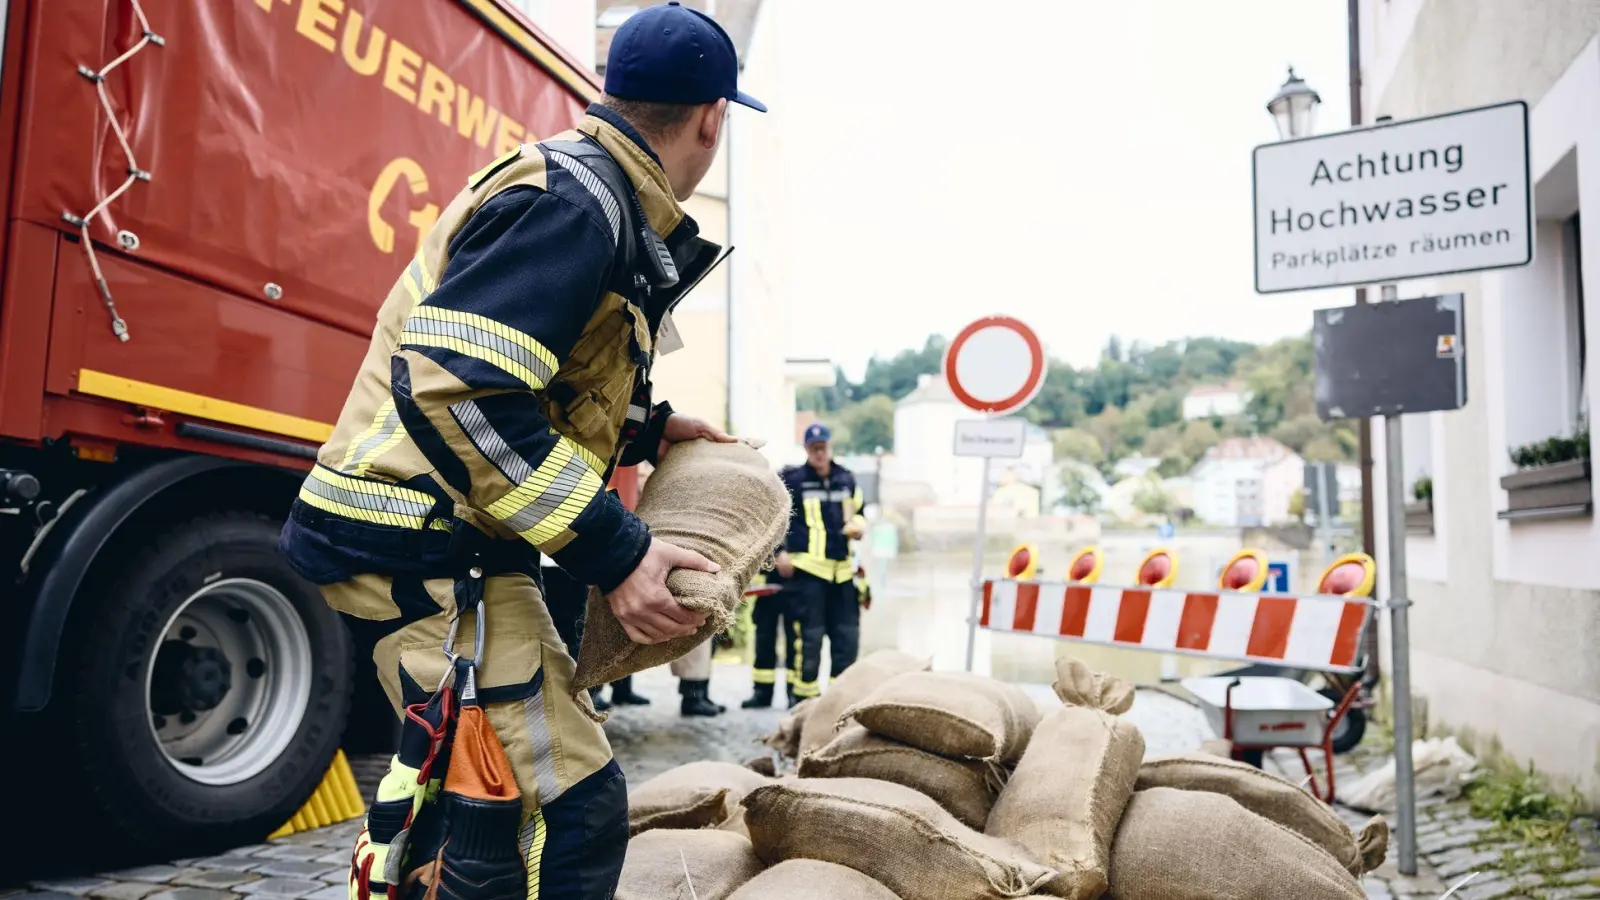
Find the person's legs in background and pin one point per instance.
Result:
(622, 693)
(764, 673)
(842, 616)
(694, 681)
(806, 630)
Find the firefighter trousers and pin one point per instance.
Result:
(767, 615)
(575, 800)
(805, 625)
(841, 617)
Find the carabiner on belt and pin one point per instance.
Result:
(466, 683)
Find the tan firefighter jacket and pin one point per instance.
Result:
(508, 372)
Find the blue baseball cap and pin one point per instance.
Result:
(817, 433)
(673, 54)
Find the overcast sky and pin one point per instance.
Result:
(1084, 166)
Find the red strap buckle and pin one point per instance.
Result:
(416, 712)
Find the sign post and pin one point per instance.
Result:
(994, 366)
(1438, 195)
(1383, 360)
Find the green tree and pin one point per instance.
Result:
(834, 397)
(1163, 442)
(1077, 491)
(1107, 429)
(1078, 445)
(1152, 497)
(866, 425)
(1297, 504)
(1198, 437)
(897, 376)
(1059, 403)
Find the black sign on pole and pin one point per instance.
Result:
(1322, 490)
(1390, 358)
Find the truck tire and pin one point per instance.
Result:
(211, 692)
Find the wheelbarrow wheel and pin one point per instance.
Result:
(1351, 729)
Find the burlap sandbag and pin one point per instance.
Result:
(735, 823)
(1196, 845)
(1067, 794)
(822, 720)
(720, 500)
(900, 838)
(1276, 799)
(786, 739)
(812, 878)
(955, 714)
(965, 788)
(697, 795)
(664, 863)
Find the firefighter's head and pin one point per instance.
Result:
(819, 446)
(671, 72)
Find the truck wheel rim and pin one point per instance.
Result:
(229, 682)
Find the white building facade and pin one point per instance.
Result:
(1246, 482)
(924, 449)
(1507, 608)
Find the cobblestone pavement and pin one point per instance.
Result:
(1452, 844)
(650, 739)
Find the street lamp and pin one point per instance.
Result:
(1294, 107)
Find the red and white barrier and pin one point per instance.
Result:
(1317, 632)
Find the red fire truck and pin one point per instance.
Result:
(205, 202)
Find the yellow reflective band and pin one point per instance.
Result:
(860, 500)
(365, 501)
(835, 571)
(535, 853)
(379, 438)
(549, 500)
(480, 337)
(816, 536)
(764, 676)
(806, 689)
(155, 396)
(594, 462)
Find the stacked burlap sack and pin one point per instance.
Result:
(924, 785)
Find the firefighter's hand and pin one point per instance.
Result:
(855, 530)
(785, 567)
(644, 606)
(681, 428)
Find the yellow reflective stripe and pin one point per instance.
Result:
(535, 853)
(549, 500)
(482, 338)
(816, 536)
(379, 438)
(413, 286)
(860, 500)
(763, 676)
(806, 689)
(365, 501)
(832, 570)
(594, 462)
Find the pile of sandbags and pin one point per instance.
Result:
(914, 784)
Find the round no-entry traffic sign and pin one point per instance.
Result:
(995, 365)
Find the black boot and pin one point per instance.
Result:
(696, 701)
(793, 700)
(600, 703)
(760, 698)
(622, 693)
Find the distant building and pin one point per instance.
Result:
(924, 449)
(1208, 400)
(1135, 466)
(1246, 482)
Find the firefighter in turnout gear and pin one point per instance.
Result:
(815, 563)
(507, 377)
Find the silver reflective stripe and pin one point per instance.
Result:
(637, 413)
(813, 495)
(595, 186)
(391, 422)
(563, 486)
(416, 275)
(544, 760)
(472, 334)
(839, 496)
(489, 442)
(370, 502)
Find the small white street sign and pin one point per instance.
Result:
(1433, 196)
(994, 438)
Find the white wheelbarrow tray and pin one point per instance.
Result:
(1268, 711)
